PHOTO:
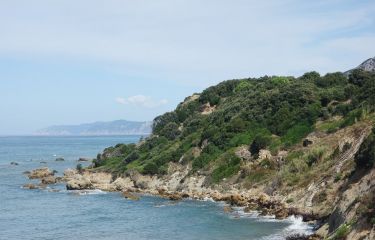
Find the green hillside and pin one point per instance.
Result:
(271, 112)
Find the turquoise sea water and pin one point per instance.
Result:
(43, 214)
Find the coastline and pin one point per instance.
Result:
(252, 203)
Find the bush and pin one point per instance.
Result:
(258, 175)
(131, 157)
(352, 118)
(295, 134)
(161, 121)
(314, 156)
(259, 142)
(170, 131)
(150, 168)
(341, 232)
(365, 157)
(227, 169)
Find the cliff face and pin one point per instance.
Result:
(281, 145)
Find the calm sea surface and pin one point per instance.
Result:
(43, 214)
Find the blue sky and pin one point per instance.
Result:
(70, 62)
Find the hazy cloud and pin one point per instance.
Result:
(184, 39)
(141, 101)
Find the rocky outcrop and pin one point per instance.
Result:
(207, 109)
(243, 153)
(40, 173)
(79, 182)
(49, 180)
(264, 154)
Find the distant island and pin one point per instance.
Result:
(118, 127)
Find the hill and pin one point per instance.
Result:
(368, 66)
(305, 145)
(119, 127)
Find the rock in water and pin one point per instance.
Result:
(49, 180)
(79, 183)
(60, 159)
(14, 163)
(82, 159)
(30, 186)
(227, 209)
(129, 195)
(40, 173)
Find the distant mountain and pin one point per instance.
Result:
(118, 127)
(368, 65)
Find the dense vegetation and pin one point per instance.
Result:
(273, 113)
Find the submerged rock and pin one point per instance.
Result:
(40, 173)
(82, 159)
(129, 195)
(30, 186)
(14, 163)
(227, 209)
(59, 159)
(34, 186)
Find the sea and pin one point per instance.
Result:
(55, 213)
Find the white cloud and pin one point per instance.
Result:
(191, 41)
(141, 101)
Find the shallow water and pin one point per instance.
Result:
(43, 214)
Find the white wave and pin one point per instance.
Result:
(87, 192)
(208, 199)
(297, 226)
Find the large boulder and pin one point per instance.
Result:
(79, 183)
(122, 184)
(40, 173)
(49, 180)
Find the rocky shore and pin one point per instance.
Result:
(174, 187)
(178, 184)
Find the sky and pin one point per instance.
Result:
(78, 61)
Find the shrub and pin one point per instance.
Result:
(341, 232)
(161, 121)
(352, 118)
(131, 157)
(289, 200)
(295, 134)
(365, 157)
(227, 169)
(314, 156)
(259, 142)
(258, 175)
(150, 168)
(170, 131)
